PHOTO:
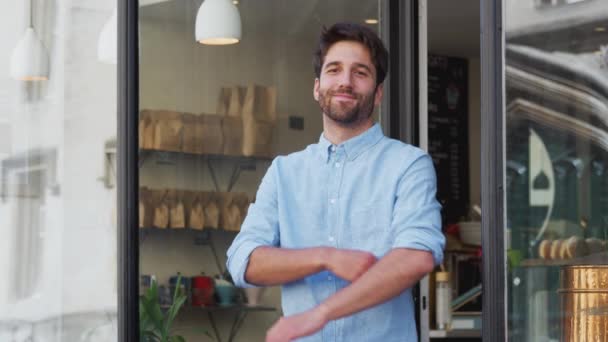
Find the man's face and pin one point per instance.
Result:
(346, 89)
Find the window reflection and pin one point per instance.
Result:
(557, 149)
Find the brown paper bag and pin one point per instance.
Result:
(232, 129)
(168, 131)
(259, 120)
(212, 135)
(230, 101)
(192, 134)
(147, 124)
(195, 211)
(143, 192)
(258, 137)
(231, 216)
(260, 102)
(212, 211)
(177, 212)
(161, 210)
(242, 200)
(230, 108)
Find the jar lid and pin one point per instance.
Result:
(442, 276)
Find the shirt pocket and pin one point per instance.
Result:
(364, 232)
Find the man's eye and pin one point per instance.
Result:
(331, 71)
(361, 73)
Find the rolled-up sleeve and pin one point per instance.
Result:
(416, 221)
(260, 228)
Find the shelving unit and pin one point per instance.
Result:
(594, 259)
(239, 163)
(230, 165)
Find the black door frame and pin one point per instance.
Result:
(493, 222)
(127, 171)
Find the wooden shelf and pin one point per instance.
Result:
(238, 163)
(595, 259)
(145, 153)
(459, 333)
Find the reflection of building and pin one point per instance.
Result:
(556, 93)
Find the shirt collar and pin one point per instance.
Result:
(353, 147)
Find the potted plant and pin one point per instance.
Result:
(155, 322)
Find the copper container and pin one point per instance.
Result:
(584, 303)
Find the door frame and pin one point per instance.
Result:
(127, 170)
(493, 142)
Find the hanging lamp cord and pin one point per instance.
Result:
(31, 14)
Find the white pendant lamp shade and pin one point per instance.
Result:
(107, 43)
(218, 22)
(30, 60)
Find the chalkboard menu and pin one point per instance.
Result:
(448, 133)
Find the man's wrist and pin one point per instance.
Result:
(323, 312)
(323, 257)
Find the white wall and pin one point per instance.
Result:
(74, 112)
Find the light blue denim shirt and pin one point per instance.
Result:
(369, 193)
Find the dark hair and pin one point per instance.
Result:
(356, 33)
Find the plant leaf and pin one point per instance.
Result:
(174, 310)
(177, 338)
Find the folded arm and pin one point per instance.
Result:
(275, 266)
(397, 271)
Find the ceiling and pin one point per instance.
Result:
(453, 26)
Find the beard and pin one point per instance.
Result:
(347, 113)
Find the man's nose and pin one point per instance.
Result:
(345, 79)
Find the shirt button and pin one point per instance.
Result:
(337, 164)
(332, 201)
(331, 238)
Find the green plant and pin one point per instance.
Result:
(154, 324)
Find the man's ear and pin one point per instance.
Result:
(379, 94)
(315, 90)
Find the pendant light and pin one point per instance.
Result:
(218, 22)
(30, 60)
(107, 43)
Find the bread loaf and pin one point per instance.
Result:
(555, 249)
(544, 249)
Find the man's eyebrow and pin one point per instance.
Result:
(358, 65)
(330, 64)
(364, 66)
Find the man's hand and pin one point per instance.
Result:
(349, 264)
(306, 323)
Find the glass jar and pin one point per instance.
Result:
(443, 300)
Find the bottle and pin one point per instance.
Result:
(443, 299)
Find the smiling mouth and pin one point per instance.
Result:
(344, 96)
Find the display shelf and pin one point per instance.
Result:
(595, 259)
(241, 312)
(145, 154)
(457, 333)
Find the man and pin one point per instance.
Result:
(348, 225)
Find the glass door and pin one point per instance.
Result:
(213, 115)
(556, 159)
